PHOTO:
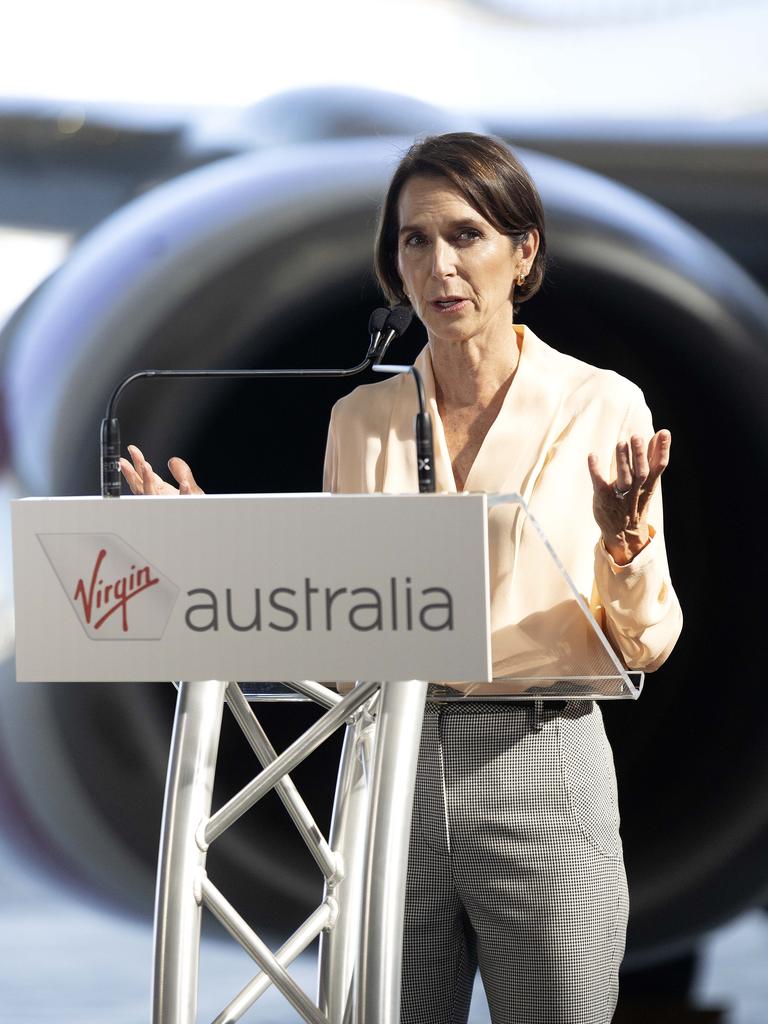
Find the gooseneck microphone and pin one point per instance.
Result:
(384, 326)
(376, 327)
(397, 322)
(425, 452)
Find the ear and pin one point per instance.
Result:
(529, 247)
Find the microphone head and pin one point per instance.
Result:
(399, 320)
(377, 320)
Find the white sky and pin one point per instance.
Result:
(27, 257)
(709, 64)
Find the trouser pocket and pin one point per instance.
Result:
(589, 778)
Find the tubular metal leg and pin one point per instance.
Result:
(188, 793)
(338, 946)
(360, 965)
(398, 734)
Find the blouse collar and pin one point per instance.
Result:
(515, 444)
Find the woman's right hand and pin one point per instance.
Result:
(142, 479)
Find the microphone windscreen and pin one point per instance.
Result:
(377, 319)
(399, 319)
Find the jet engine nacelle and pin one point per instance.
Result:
(264, 260)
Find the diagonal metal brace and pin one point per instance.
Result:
(322, 918)
(315, 691)
(300, 814)
(239, 929)
(218, 823)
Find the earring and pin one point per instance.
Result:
(521, 280)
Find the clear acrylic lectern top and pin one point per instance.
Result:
(545, 640)
(546, 643)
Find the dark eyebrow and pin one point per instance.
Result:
(460, 223)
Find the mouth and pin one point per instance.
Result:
(450, 304)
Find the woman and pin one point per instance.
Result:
(515, 858)
(515, 862)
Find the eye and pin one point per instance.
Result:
(415, 240)
(469, 235)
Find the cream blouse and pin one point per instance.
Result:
(556, 411)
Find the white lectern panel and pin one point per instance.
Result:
(252, 587)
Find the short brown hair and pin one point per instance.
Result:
(489, 177)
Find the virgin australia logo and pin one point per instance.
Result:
(115, 592)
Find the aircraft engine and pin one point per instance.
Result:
(264, 260)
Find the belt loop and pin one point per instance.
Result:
(535, 714)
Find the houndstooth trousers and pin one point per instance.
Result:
(515, 865)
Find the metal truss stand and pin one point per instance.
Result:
(360, 921)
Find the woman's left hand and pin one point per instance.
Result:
(620, 507)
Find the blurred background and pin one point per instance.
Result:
(195, 185)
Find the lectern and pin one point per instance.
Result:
(387, 599)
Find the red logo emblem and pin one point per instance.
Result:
(107, 598)
(115, 592)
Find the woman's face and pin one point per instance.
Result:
(457, 270)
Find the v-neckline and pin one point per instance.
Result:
(515, 446)
(442, 453)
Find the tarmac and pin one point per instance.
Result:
(69, 960)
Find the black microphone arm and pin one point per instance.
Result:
(425, 452)
(384, 326)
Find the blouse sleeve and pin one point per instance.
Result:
(331, 464)
(642, 614)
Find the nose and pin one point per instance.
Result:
(443, 261)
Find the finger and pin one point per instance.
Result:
(598, 481)
(183, 475)
(639, 460)
(184, 487)
(132, 478)
(623, 468)
(137, 457)
(148, 478)
(658, 453)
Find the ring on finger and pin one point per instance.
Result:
(621, 494)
